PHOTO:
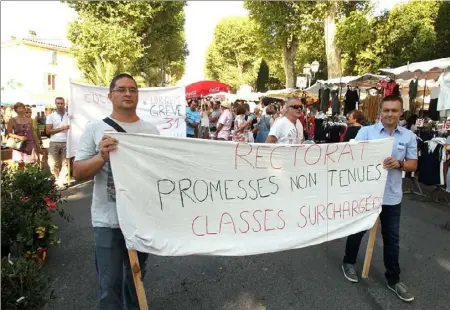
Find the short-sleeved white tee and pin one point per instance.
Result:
(58, 121)
(285, 131)
(103, 208)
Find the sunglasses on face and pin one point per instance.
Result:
(296, 107)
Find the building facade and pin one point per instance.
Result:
(40, 68)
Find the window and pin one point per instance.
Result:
(54, 58)
(51, 78)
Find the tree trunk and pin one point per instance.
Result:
(289, 52)
(163, 74)
(333, 53)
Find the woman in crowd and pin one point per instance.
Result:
(355, 119)
(250, 123)
(264, 124)
(204, 121)
(214, 117)
(20, 128)
(241, 131)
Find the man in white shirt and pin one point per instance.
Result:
(288, 129)
(57, 125)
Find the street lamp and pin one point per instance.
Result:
(307, 72)
(315, 67)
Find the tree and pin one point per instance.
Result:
(140, 37)
(282, 26)
(232, 57)
(262, 81)
(102, 72)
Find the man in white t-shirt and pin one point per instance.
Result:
(116, 286)
(288, 129)
(57, 125)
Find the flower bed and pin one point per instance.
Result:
(29, 199)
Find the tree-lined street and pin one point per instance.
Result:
(308, 278)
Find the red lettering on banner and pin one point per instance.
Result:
(318, 158)
(295, 153)
(257, 156)
(265, 220)
(284, 223)
(348, 152)
(192, 226)
(259, 224)
(363, 146)
(327, 155)
(301, 213)
(271, 156)
(226, 223)
(236, 155)
(248, 225)
(207, 230)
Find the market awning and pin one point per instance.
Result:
(422, 70)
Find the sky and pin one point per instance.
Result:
(17, 17)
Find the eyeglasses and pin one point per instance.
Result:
(123, 90)
(297, 107)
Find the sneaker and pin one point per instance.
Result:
(401, 291)
(350, 272)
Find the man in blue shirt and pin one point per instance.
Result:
(403, 158)
(192, 119)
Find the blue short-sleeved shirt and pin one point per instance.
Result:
(192, 117)
(405, 147)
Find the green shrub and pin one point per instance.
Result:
(23, 285)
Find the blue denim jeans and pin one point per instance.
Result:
(390, 230)
(115, 279)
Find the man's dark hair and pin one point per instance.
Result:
(61, 98)
(118, 77)
(393, 98)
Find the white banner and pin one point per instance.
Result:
(163, 106)
(191, 196)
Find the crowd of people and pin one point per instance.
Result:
(273, 122)
(22, 133)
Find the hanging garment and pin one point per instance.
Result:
(413, 89)
(432, 110)
(324, 99)
(351, 98)
(370, 108)
(431, 162)
(444, 95)
(389, 87)
(335, 104)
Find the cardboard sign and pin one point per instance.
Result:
(419, 122)
(163, 106)
(189, 196)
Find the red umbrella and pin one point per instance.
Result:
(204, 88)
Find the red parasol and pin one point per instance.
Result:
(204, 88)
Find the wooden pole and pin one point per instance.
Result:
(68, 171)
(369, 250)
(137, 277)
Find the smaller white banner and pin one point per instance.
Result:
(165, 107)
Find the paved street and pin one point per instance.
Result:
(308, 278)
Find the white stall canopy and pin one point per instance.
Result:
(422, 70)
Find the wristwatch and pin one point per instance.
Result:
(401, 163)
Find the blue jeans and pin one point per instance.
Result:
(116, 285)
(390, 229)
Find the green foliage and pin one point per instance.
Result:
(102, 72)
(29, 197)
(232, 57)
(23, 285)
(262, 81)
(143, 38)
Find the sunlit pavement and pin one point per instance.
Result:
(308, 278)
